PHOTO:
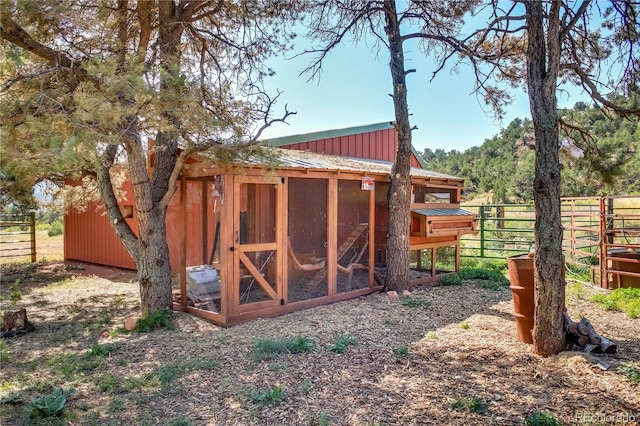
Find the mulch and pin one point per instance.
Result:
(410, 363)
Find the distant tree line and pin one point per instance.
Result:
(504, 165)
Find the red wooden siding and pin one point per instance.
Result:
(377, 145)
(88, 236)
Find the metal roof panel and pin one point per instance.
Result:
(443, 212)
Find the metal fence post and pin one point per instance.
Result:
(482, 230)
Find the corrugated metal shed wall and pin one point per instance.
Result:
(377, 145)
(88, 236)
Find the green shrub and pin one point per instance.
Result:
(108, 384)
(464, 325)
(103, 350)
(321, 420)
(414, 302)
(542, 418)
(161, 318)
(268, 348)
(15, 294)
(491, 285)
(401, 352)
(271, 396)
(470, 404)
(487, 274)
(14, 398)
(179, 421)
(49, 405)
(431, 335)
(576, 290)
(630, 372)
(165, 375)
(42, 226)
(342, 344)
(449, 280)
(621, 299)
(55, 229)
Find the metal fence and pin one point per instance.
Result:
(600, 233)
(18, 236)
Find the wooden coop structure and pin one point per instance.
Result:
(248, 241)
(311, 232)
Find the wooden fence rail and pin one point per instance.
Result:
(18, 236)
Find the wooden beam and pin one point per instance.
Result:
(372, 237)
(183, 242)
(269, 311)
(332, 236)
(284, 236)
(226, 265)
(205, 228)
(433, 260)
(213, 317)
(257, 276)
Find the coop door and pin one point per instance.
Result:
(257, 240)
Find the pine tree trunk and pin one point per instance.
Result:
(149, 249)
(399, 196)
(542, 73)
(154, 269)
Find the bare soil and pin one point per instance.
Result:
(410, 364)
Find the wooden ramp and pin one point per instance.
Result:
(342, 250)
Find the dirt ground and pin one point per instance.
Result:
(411, 362)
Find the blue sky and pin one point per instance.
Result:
(354, 90)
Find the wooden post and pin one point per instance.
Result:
(282, 229)
(433, 262)
(372, 237)
(332, 236)
(572, 233)
(610, 210)
(183, 242)
(205, 227)
(228, 273)
(602, 255)
(32, 224)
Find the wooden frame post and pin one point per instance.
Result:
(227, 272)
(183, 242)
(205, 222)
(372, 237)
(332, 236)
(32, 224)
(433, 262)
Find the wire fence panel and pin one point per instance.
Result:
(601, 234)
(18, 236)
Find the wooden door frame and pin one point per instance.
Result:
(238, 249)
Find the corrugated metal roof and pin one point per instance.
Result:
(327, 134)
(310, 160)
(443, 212)
(283, 141)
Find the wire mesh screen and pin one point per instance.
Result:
(353, 236)
(307, 239)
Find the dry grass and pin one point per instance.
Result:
(408, 365)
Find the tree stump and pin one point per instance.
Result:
(15, 323)
(14, 320)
